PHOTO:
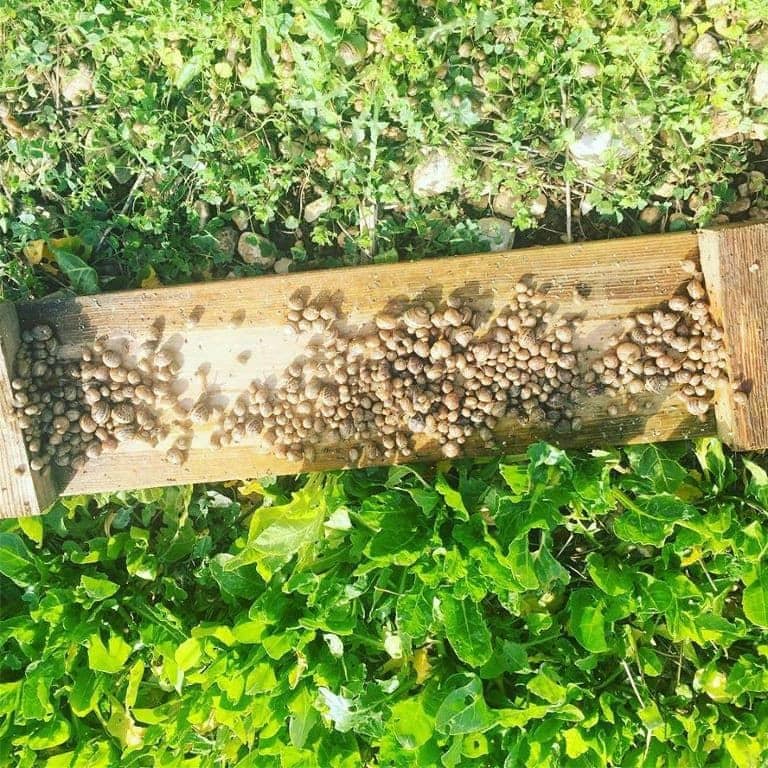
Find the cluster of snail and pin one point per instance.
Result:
(423, 374)
(676, 347)
(72, 411)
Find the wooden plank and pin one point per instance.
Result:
(735, 264)
(602, 281)
(22, 492)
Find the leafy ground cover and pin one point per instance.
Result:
(587, 609)
(351, 130)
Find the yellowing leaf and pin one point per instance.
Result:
(251, 488)
(36, 251)
(151, 280)
(421, 665)
(693, 557)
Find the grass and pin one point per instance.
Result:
(145, 128)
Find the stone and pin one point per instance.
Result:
(506, 203)
(593, 149)
(241, 220)
(435, 174)
(283, 266)
(650, 215)
(671, 35)
(314, 210)
(76, 85)
(497, 232)
(539, 206)
(705, 49)
(203, 212)
(742, 205)
(227, 240)
(252, 250)
(759, 90)
(588, 71)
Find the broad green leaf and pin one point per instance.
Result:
(32, 526)
(609, 575)
(466, 630)
(98, 589)
(587, 623)
(464, 709)
(451, 496)
(411, 725)
(86, 692)
(653, 463)
(521, 563)
(50, 735)
(109, 658)
(16, 562)
(414, 612)
(188, 654)
(82, 276)
(575, 746)
(303, 718)
(135, 676)
(755, 600)
(545, 687)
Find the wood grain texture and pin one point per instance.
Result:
(601, 282)
(735, 264)
(22, 492)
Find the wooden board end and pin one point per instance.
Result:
(735, 265)
(22, 491)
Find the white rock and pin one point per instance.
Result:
(506, 203)
(435, 174)
(314, 210)
(498, 232)
(592, 150)
(76, 85)
(588, 71)
(705, 49)
(250, 248)
(241, 220)
(651, 215)
(759, 91)
(539, 206)
(283, 266)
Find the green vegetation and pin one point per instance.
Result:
(145, 128)
(581, 610)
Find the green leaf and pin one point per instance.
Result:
(188, 72)
(188, 654)
(32, 527)
(464, 709)
(82, 277)
(755, 600)
(545, 687)
(98, 589)
(587, 622)
(109, 658)
(466, 630)
(414, 612)
(451, 496)
(16, 562)
(521, 563)
(50, 735)
(85, 693)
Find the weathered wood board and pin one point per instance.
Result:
(601, 282)
(735, 265)
(22, 491)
